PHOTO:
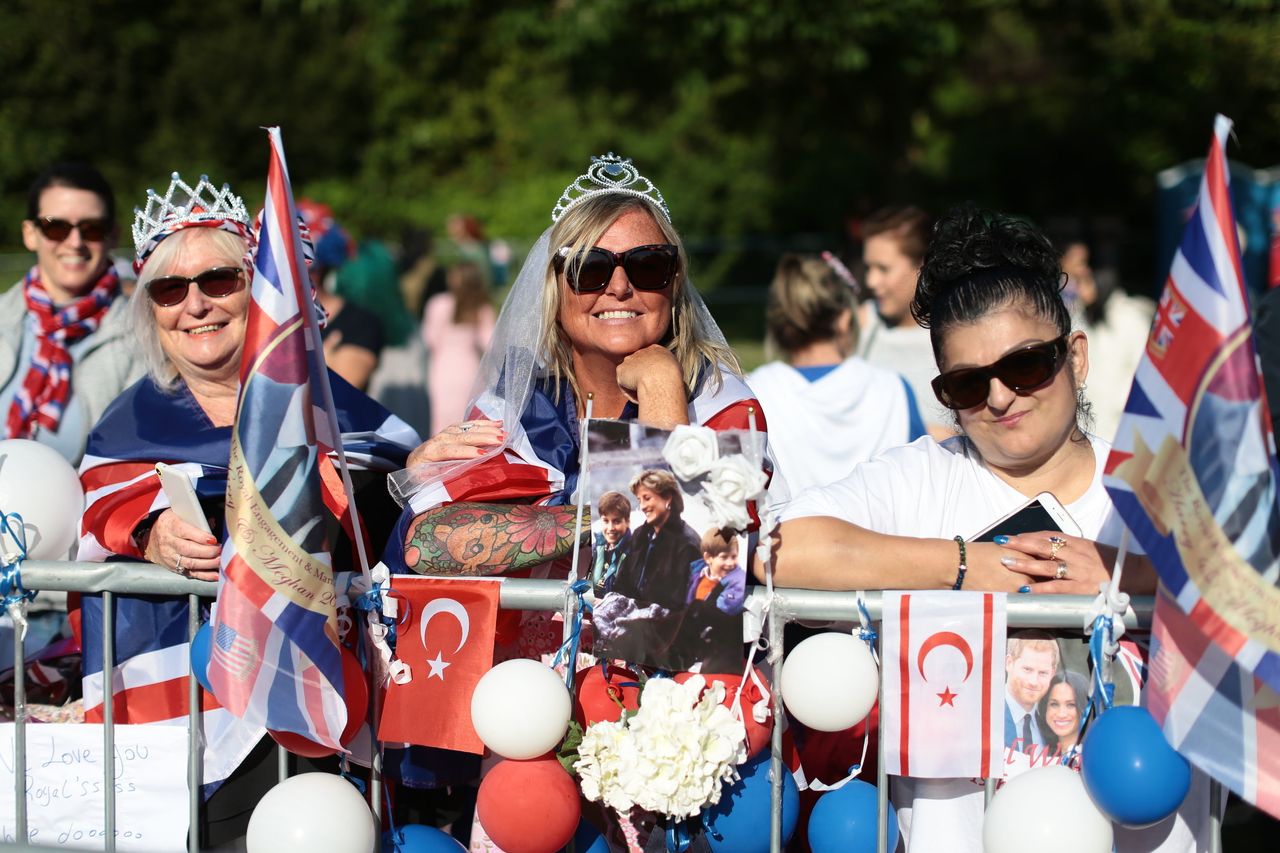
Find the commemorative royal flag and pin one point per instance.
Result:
(943, 672)
(444, 644)
(275, 657)
(1193, 473)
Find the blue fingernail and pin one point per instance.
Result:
(1024, 589)
(1001, 539)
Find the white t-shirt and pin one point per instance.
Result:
(820, 429)
(928, 490)
(906, 350)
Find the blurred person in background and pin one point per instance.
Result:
(456, 328)
(894, 242)
(827, 408)
(65, 351)
(65, 348)
(1117, 325)
(352, 335)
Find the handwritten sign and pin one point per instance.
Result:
(64, 787)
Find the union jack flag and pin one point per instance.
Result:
(1193, 473)
(276, 659)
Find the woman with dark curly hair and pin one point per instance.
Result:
(1012, 372)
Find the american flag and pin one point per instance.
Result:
(1193, 473)
(277, 660)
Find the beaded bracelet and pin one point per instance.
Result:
(963, 567)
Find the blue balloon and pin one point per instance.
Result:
(1132, 773)
(200, 650)
(742, 817)
(416, 838)
(587, 839)
(844, 820)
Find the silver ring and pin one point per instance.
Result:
(177, 567)
(465, 426)
(1061, 574)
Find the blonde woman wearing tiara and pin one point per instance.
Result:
(829, 409)
(603, 308)
(189, 313)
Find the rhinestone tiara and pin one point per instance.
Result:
(182, 207)
(609, 174)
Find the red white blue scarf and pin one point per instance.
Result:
(42, 397)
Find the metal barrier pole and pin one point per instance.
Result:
(282, 763)
(20, 733)
(882, 776)
(776, 768)
(194, 721)
(1215, 817)
(108, 721)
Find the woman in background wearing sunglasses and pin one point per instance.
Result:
(65, 348)
(1013, 373)
(189, 312)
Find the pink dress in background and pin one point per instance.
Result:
(453, 357)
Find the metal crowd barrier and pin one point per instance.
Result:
(1025, 611)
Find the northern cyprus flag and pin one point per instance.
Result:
(943, 667)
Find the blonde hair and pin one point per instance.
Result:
(688, 338)
(661, 483)
(806, 300)
(230, 249)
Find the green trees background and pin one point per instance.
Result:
(757, 118)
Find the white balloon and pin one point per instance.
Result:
(312, 813)
(520, 709)
(829, 682)
(42, 487)
(1046, 810)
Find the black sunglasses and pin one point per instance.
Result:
(647, 267)
(91, 230)
(170, 290)
(1021, 370)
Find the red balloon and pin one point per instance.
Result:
(529, 806)
(598, 695)
(758, 734)
(356, 695)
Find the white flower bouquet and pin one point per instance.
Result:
(672, 757)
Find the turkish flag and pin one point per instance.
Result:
(943, 670)
(445, 639)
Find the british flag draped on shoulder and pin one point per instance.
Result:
(1193, 473)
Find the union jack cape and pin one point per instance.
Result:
(1193, 473)
(146, 425)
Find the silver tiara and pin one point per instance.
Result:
(609, 174)
(182, 206)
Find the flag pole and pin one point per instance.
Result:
(316, 351)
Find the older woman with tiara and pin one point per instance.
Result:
(829, 409)
(189, 312)
(602, 320)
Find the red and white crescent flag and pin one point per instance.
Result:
(446, 639)
(943, 671)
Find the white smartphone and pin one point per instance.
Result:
(182, 496)
(1043, 512)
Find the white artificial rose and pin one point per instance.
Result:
(691, 450)
(732, 482)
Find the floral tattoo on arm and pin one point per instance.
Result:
(490, 539)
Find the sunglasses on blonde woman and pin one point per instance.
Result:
(647, 267)
(1021, 370)
(216, 283)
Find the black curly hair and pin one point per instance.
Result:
(979, 261)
